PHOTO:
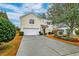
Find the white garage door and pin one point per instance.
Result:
(31, 31)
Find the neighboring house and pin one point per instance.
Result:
(31, 24)
(63, 27)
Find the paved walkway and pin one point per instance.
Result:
(43, 46)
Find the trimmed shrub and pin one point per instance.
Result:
(17, 28)
(60, 32)
(77, 32)
(21, 33)
(50, 32)
(7, 30)
(66, 38)
(45, 34)
(40, 33)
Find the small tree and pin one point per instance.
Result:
(67, 13)
(44, 29)
(71, 16)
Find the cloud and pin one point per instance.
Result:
(29, 7)
(33, 6)
(18, 11)
(40, 10)
(14, 18)
(37, 7)
(13, 15)
(10, 7)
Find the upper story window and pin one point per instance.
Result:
(31, 21)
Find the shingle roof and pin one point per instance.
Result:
(62, 25)
(29, 14)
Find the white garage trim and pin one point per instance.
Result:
(31, 31)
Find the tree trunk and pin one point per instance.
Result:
(71, 33)
(44, 31)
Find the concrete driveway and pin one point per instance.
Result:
(43, 46)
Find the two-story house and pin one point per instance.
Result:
(31, 24)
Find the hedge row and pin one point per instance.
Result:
(7, 30)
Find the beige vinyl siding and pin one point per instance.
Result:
(25, 21)
(37, 22)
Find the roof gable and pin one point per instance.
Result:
(30, 14)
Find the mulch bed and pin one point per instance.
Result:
(74, 42)
(12, 48)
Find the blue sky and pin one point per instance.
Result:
(16, 10)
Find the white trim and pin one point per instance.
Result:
(31, 31)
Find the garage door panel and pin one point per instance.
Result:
(31, 31)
